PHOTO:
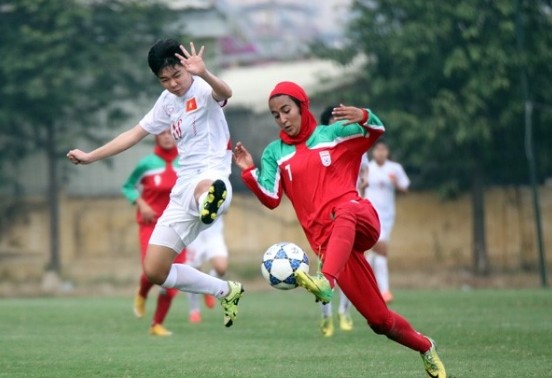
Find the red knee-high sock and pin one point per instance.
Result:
(163, 305)
(340, 244)
(402, 332)
(145, 286)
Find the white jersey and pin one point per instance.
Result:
(199, 127)
(380, 190)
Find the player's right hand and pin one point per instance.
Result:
(79, 157)
(146, 211)
(242, 157)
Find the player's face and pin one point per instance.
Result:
(165, 140)
(175, 79)
(286, 113)
(380, 153)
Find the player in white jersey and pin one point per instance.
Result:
(208, 247)
(191, 105)
(381, 178)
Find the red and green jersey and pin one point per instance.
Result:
(315, 175)
(155, 177)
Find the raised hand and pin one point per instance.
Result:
(192, 61)
(242, 157)
(350, 114)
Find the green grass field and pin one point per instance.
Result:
(480, 334)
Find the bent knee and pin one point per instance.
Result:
(155, 274)
(381, 325)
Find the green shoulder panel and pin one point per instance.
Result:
(268, 176)
(150, 164)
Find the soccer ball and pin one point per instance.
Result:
(280, 262)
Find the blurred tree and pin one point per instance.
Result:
(66, 67)
(445, 77)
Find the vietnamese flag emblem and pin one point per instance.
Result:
(191, 105)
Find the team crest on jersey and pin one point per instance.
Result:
(326, 158)
(191, 105)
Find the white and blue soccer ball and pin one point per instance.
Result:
(280, 262)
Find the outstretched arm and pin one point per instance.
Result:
(118, 144)
(265, 182)
(194, 64)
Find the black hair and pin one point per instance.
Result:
(161, 55)
(326, 115)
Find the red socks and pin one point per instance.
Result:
(163, 305)
(402, 332)
(145, 286)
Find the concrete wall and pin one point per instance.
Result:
(99, 236)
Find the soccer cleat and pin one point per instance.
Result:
(318, 285)
(345, 321)
(327, 326)
(432, 363)
(213, 201)
(230, 302)
(387, 296)
(194, 317)
(210, 300)
(159, 330)
(139, 305)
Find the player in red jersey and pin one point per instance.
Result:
(155, 176)
(317, 168)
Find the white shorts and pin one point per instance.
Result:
(180, 224)
(208, 244)
(386, 226)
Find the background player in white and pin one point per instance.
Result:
(380, 179)
(191, 105)
(209, 246)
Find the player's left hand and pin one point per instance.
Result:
(350, 114)
(192, 61)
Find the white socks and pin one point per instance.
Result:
(201, 199)
(185, 278)
(326, 309)
(213, 273)
(193, 302)
(344, 304)
(193, 299)
(379, 266)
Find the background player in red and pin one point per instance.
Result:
(149, 187)
(317, 168)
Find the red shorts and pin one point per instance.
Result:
(144, 232)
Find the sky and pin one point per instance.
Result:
(330, 13)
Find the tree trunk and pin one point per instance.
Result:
(480, 259)
(53, 199)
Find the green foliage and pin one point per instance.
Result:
(445, 77)
(501, 334)
(66, 64)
